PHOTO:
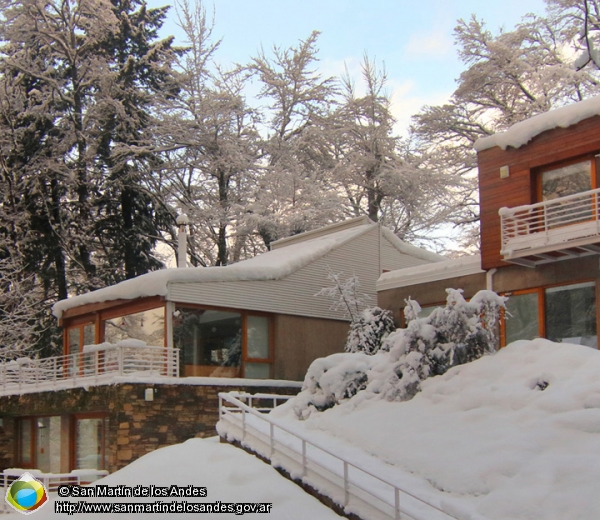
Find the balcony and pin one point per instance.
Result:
(553, 230)
(97, 364)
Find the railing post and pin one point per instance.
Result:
(120, 360)
(396, 503)
(272, 439)
(243, 425)
(303, 458)
(346, 485)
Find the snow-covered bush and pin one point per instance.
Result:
(452, 335)
(331, 380)
(368, 331)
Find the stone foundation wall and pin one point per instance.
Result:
(133, 426)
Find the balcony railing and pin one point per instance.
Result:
(97, 365)
(560, 224)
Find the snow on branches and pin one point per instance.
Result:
(452, 335)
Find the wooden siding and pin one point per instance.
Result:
(392, 259)
(550, 147)
(295, 294)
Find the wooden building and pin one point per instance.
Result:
(540, 230)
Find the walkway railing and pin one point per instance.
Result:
(94, 366)
(356, 488)
(552, 222)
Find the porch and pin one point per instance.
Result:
(553, 230)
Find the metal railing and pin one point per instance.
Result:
(555, 221)
(357, 489)
(88, 367)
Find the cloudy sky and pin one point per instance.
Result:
(414, 39)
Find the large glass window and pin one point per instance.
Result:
(147, 326)
(89, 443)
(567, 180)
(571, 314)
(522, 317)
(210, 341)
(39, 443)
(222, 343)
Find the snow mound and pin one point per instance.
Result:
(516, 434)
(523, 132)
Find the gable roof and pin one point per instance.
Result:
(272, 265)
(523, 132)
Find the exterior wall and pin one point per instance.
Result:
(302, 340)
(519, 188)
(506, 280)
(133, 426)
(428, 293)
(295, 294)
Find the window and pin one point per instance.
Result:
(39, 443)
(567, 180)
(147, 326)
(565, 313)
(222, 343)
(80, 335)
(88, 439)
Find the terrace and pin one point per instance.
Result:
(553, 230)
(95, 365)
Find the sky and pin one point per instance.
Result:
(413, 39)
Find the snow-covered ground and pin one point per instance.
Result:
(515, 435)
(230, 475)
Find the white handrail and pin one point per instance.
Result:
(243, 409)
(555, 221)
(87, 367)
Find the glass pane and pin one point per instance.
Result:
(210, 341)
(74, 340)
(48, 444)
(89, 335)
(571, 314)
(25, 441)
(566, 180)
(257, 370)
(522, 318)
(258, 337)
(89, 440)
(427, 310)
(147, 326)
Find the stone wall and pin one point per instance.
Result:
(133, 426)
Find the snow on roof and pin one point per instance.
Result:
(521, 133)
(407, 249)
(462, 266)
(272, 265)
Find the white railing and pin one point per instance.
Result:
(552, 222)
(355, 488)
(52, 481)
(82, 368)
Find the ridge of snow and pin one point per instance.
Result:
(463, 266)
(521, 133)
(409, 249)
(272, 265)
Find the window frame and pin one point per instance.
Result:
(244, 313)
(541, 292)
(539, 172)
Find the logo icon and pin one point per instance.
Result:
(26, 494)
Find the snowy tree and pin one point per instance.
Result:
(368, 331)
(345, 295)
(293, 195)
(510, 76)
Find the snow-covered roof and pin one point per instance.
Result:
(521, 133)
(272, 265)
(407, 249)
(462, 266)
